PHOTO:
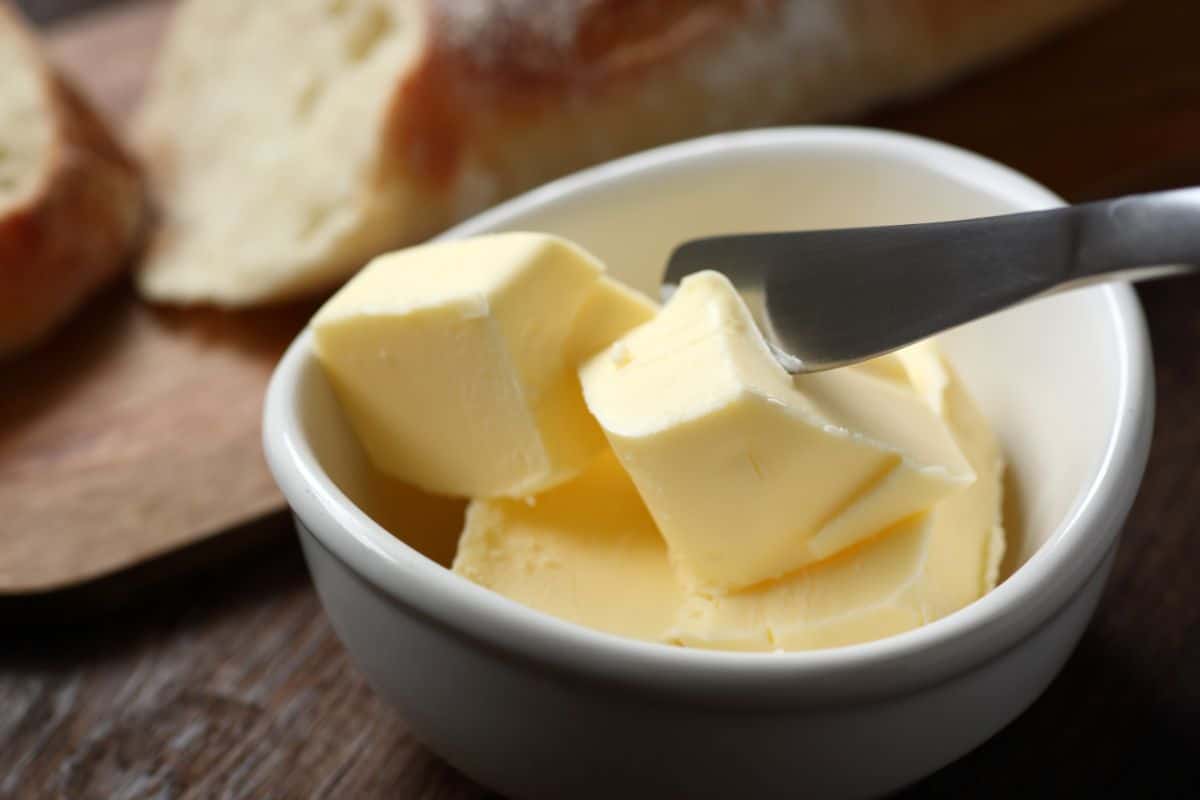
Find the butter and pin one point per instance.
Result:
(924, 568)
(880, 588)
(590, 552)
(968, 533)
(748, 473)
(656, 474)
(586, 551)
(455, 362)
(611, 311)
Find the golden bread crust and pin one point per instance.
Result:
(77, 227)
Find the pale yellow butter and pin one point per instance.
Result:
(968, 541)
(589, 552)
(749, 474)
(924, 568)
(713, 501)
(881, 587)
(455, 362)
(586, 551)
(611, 311)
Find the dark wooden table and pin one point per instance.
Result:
(228, 681)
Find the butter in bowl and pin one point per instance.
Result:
(760, 511)
(595, 548)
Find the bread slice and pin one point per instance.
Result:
(71, 201)
(290, 142)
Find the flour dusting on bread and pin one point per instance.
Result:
(483, 28)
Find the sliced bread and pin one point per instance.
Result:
(289, 142)
(71, 201)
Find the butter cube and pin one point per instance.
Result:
(880, 589)
(455, 362)
(748, 473)
(586, 551)
(968, 541)
(922, 569)
(589, 552)
(611, 311)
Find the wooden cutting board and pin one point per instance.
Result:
(136, 431)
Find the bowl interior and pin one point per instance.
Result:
(1044, 373)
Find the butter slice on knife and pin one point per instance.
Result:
(748, 473)
(589, 552)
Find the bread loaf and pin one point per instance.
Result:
(71, 201)
(289, 142)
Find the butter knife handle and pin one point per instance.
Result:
(1136, 237)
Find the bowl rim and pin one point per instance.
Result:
(993, 624)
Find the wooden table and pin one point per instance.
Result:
(230, 682)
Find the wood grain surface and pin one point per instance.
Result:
(230, 682)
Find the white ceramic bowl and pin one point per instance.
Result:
(537, 707)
